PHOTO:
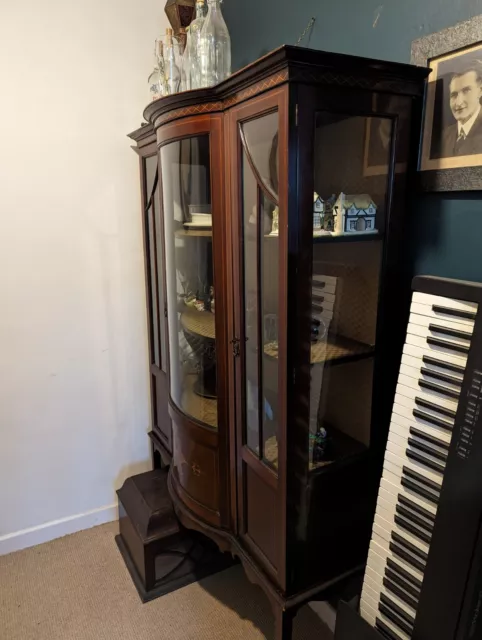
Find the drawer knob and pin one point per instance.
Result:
(196, 469)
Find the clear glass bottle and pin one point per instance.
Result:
(186, 81)
(194, 46)
(215, 46)
(173, 75)
(154, 81)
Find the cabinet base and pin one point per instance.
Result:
(160, 554)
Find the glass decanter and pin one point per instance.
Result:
(215, 46)
(186, 79)
(194, 45)
(154, 81)
(173, 75)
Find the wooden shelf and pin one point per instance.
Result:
(348, 237)
(203, 409)
(337, 350)
(201, 323)
(194, 233)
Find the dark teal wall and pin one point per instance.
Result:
(447, 229)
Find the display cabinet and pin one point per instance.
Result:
(284, 197)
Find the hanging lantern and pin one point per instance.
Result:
(180, 13)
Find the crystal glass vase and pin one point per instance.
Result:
(194, 44)
(215, 47)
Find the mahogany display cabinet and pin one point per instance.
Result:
(277, 283)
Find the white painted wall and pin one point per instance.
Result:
(74, 406)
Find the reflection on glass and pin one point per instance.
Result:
(260, 253)
(348, 224)
(189, 276)
(162, 296)
(150, 168)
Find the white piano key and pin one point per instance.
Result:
(392, 485)
(450, 303)
(403, 444)
(396, 456)
(401, 425)
(416, 363)
(382, 555)
(325, 279)
(392, 498)
(386, 529)
(367, 616)
(406, 407)
(435, 350)
(371, 602)
(428, 395)
(426, 310)
(421, 348)
(425, 321)
(411, 376)
(423, 332)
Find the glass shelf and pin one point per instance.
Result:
(201, 323)
(336, 350)
(348, 237)
(194, 233)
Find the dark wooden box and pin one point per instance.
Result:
(160, 554)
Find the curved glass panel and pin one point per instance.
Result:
(261, 284)
(185, 172)
(261, 144)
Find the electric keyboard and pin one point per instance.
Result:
(423, 578)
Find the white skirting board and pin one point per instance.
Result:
(56, 529)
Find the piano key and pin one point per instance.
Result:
(399, 553)
(392, 485)
(396, 619)
(437, 348)
(425, 461)
(410, 504)
(398, 501)
(420, 491)
(451, 324)
(456, 363)
(430, 361)
(403, 437)
(447, 303)
(434, 330)
(406, 513)
(455, 313)
(398, 606)
(433, 440)
(433, 397)
(389, 530)
(377, 583)
(386, 629)
(403, 584)
(396, 566)
(402, 553)
(419, 414)
(428, 450)
(447, 344)
(435, 407)
(413, 530)
(422, 383)
(421, 478)
(416, 483)
(381, 549)
(402, 424)
(398, 457)
(406, 407)
(422, 372)
(443, 390)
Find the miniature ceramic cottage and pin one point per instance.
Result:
(355, 214)
(318, 212)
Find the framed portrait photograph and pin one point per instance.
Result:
(451, 149)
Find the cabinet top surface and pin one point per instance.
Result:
(297, 64)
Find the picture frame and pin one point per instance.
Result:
(450, 158)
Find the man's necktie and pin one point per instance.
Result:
(460, 140)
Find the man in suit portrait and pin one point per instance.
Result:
(464, 137)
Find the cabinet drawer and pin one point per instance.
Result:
(195, 465)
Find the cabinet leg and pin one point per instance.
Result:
(283, 624)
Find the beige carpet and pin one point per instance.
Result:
(77, 588)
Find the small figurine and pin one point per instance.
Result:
(275, 223)
(318, 213)
(319, 445)
(211, 298)
(355, 214)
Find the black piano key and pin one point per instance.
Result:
(388, 602)
(418, 477)
(413, 530)
(412, 517)
(435, 407)
(391, 586)
(400, 552)
(445, 344)
(449, 393)
(394, 618)
(425, 448)
(456, 368)
(415, 582)
(420, 491)
(437, 422)
(385, 631)
(396, 537)
(406, 502)
(430, 464)
(394, 577)
(448, 331)
(443, 377)
(456, 313)
(430, 439)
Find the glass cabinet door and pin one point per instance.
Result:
(260, 262)
(349, 219)
(191, 297)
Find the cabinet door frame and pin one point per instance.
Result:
(275, 100)
(158, 376)
(211, 125)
